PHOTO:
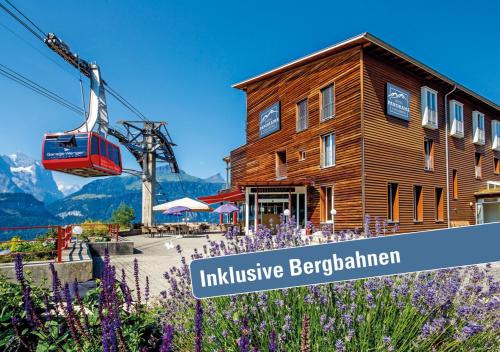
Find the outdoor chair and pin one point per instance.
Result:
(154, 231)
(145, 230)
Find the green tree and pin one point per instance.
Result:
(123, 216)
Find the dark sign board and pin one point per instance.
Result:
(397, 102)
(269, 120)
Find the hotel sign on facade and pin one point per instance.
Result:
(397, 102)
(269, 120)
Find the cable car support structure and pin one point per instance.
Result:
(148, 141)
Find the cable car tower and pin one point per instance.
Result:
(148, 141)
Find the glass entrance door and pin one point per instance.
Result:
(270, 212)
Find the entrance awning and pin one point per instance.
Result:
(291, 183)
(485, 193)
(234, 196)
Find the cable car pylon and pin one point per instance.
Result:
(148, 141)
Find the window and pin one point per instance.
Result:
(327, 203)
(496, 166)
(478, 127)
(439, 204)
(478, 172)
(328, 150)
(393, 202)
(495, 132)
(457, 119)
(418, 204)
(302, 115)
(429, 154)
(94, 145)
(429, 108)
(302, 155)
(281, 164)
(327, 103)
(103, 148)
(455, 184)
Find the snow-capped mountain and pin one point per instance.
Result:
(20, 173)
(66, 189)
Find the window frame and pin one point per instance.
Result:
(496, 166)
(302, 155)
(418, 204)
(429, 120)
(333, 151)
(478, 133)
(431, 154)
(326, 215)
(457, 127)
(322, 116)
(478, 165)
(439, 205)
(495, 135)
(393, 205)
(455, 193)
(298, 116)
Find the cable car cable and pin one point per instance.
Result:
(124, 102)
(25, 17)
(24, 24)
(110, 90)
(18, 36)
(18, 78)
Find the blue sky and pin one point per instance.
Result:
(176, 61)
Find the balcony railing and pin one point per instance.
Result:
(281, 171)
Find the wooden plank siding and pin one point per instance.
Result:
(372, 149)
(289, 88)
(394, 150)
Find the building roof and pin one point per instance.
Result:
(378, 46)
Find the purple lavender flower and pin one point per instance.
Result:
(339, 346)
(167, 338)
(18, 264)
(136, 277)
(70, 314)
(272, 342)
(198, 327)
(244, 340)
(146, 290)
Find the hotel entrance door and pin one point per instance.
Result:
(270, 212)
(266, 206)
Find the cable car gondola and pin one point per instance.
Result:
(84, 151)
(81, 154)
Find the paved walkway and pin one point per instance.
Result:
(155, 259)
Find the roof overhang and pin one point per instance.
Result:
(274, 183)
(487, 193)
(368, 40)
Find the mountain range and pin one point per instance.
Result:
(21, 174)
(30, 196)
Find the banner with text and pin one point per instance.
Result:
(341, 261)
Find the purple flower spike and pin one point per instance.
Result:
(244, 340)
(272, 342)
(167, 338)
(18, 263)
(136, 277)
(146, 290)
(198, 327)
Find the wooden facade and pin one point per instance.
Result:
(372, 149)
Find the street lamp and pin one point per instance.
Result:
(333, 212)
(287, 214)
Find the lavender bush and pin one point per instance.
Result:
(445, 310)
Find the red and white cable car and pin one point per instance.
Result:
(81, 154)
(83, 151)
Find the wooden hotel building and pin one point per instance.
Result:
(361, 128)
